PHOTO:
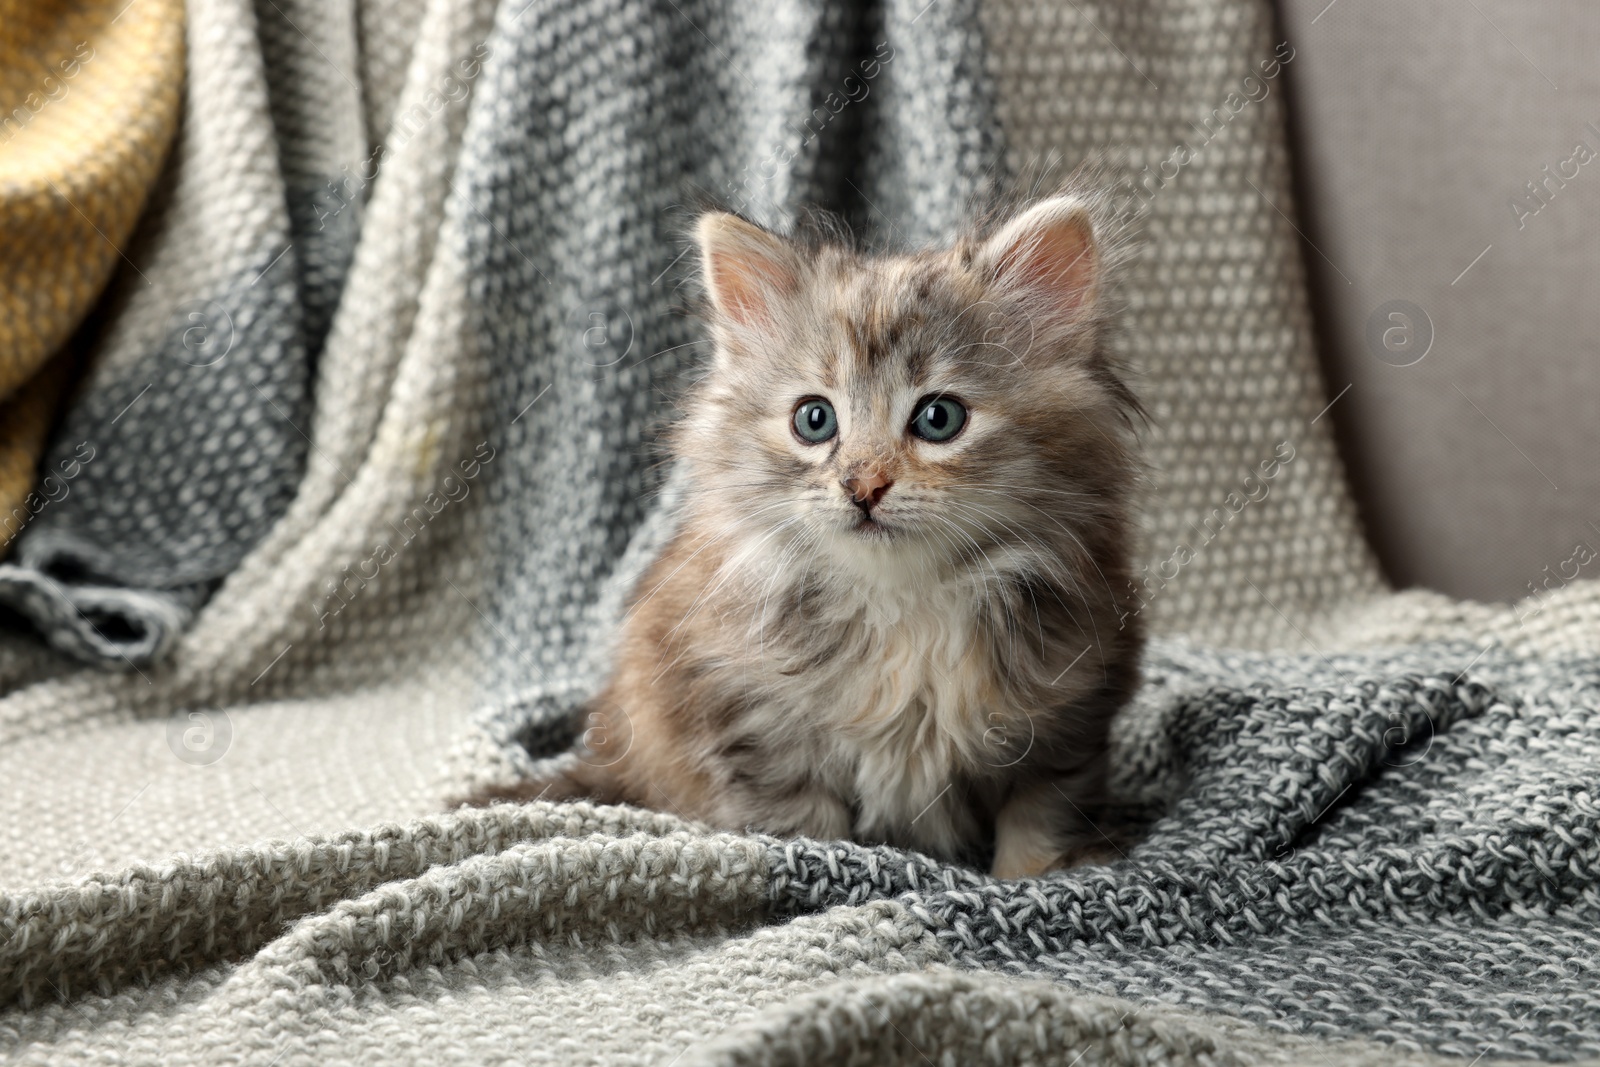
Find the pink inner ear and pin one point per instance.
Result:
(1057, 259)
(742, 285)
(746, 268)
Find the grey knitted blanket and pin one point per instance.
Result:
(356, 546)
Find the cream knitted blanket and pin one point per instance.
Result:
(371, 412)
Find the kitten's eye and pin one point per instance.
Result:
(815, 421)
(938, 418)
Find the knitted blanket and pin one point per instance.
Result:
(362, 468)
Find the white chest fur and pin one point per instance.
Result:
(898, 702)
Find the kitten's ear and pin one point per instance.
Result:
(747, 269)
(1049, 254)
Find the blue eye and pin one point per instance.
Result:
(815, 421)
(938, 418)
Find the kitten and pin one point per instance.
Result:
(890, 612)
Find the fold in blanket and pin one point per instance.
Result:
(199, 385)
(368, 427)
(1370, 844)
(88, 107)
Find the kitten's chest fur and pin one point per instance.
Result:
(894, 694)
(864, 704)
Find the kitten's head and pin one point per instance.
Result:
(888, 410)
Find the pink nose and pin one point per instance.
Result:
(867, 488)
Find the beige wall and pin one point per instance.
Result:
(1416, 124)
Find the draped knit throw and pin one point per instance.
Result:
(336, 339)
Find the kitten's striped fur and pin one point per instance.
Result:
(940, 671)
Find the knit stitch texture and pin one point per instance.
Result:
(372, 403)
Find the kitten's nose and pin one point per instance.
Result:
(867, 489)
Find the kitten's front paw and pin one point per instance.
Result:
(1016, 863)
(1025, 850)
(812, 813)
(1024, 866)
(1097, 853)
(1032, 836)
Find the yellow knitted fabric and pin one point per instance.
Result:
(89, 96)
(25, 419)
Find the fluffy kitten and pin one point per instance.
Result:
(891, 609)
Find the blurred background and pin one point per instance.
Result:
(1364, 232)
(1447, 161)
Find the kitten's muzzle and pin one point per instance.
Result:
(867, 489)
